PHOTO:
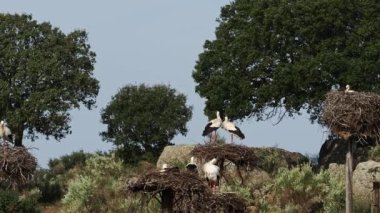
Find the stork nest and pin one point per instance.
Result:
(17, 166)
(356, 113)
(191, 194)
(238, 154)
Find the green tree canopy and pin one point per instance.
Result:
(142, 120)
(273, 56)
(44, 73)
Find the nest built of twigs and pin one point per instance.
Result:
(356, 113)
(190, 193)
(238, 154)
(17, 166)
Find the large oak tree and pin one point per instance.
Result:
(141, 120)
(283, 56)
(44, 73)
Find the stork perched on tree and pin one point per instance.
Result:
(212, 175)
(192, 166)
(348, 90)
(232, 129)
(212, 126)
(5, 132)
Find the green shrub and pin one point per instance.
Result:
(300, 186)
(47, 183)
(78, 197)
(240, 190)
(99, 187)
(374, 153)
(104, 166)
(10, 201)
(69, 161)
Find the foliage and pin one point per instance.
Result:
(69, 161)
(44, 73)
(142, 120)
(242, 191)
(103, 165)
(279, 57)
(49, 185)
(374, 153)
(98, 187)
(10, 201)
(270, 159)
(362, 205)
(139, 203)
(78, 197)
(300, 186)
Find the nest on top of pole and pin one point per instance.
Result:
(352, 113)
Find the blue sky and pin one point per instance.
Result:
(152, 42)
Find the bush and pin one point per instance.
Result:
(10, 201)
(99, 187)
(301, 187)
(69, 161)
(374, 153)
(240, 190)
(80, 192)
(51, 189)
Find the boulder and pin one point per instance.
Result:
(175, 155)
(252, 177)
(334, 151)
(269, 159)
(363, 177)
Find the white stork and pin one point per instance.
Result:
(212, 126)
(5, 132)
(164, 167)
(192, 166)
(348, 90)
(232, 129)
(212, 174)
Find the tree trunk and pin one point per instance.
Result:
(18, 134)
(376, 198)
(349, 204)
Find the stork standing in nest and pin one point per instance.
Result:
(212, 126)
(212, 175)
(232, 129)
(5, 132)
(348, 90)
(192, 166)
(166, 169)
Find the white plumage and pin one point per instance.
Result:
(5, 132)
(348, 90)
(164, 167)
(192, 166)
(232, 129)
(212, 174)
(212, 125)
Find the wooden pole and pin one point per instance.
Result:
(375, 208)
(167, 201)
(349, 203)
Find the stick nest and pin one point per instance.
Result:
(238, 154)
(191, 194)
(356, 113)
(17, 166)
